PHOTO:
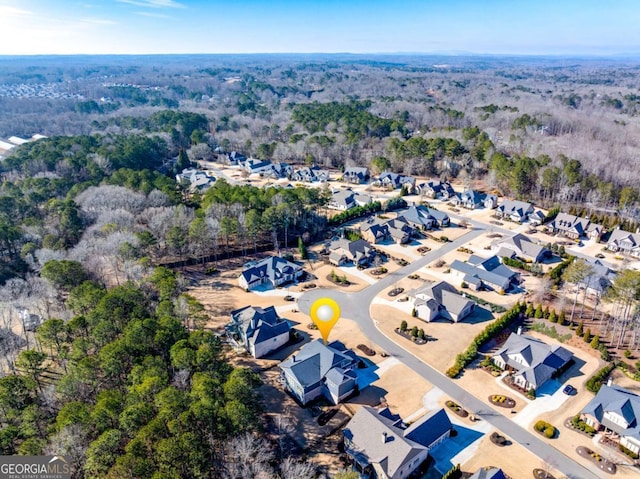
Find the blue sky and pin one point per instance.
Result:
(600, 27)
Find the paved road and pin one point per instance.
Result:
(355, 306)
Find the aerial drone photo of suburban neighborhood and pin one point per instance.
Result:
(274, 265)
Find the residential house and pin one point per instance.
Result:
(376, 230)
(395, 181)
(485, 273)
(380, 445)
(235, 158)
(624, 242)
(253, 166)
(260, 330)
(277, 170)
(490, 202)
(342, 251)
(537, 218)
(488, 473)
(515, 210)
(440, 300)
(532, 361)
(469, 199)
(575, 227)
(441, 190)
(356, 174)
(310, 174)
(615, 410)
(346, 199)
(273, 271)
(522, 247)
(600, 279)
(196, 179)
(320, 370)
(423, 218)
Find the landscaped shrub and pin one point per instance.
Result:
(531, 393)
(628, 452)
(414, 332)
(420, 333)
(594, 383)
(530, 310)
(561, 318)
(545, 428)
(403, 326)
(552, 316)
(587, 335)
(453, 473)
(579, 329)
(538, 314)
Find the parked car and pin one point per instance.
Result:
(569, 390)
(600, 255)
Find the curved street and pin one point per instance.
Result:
(355, 306)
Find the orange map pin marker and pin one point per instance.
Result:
(325, 313)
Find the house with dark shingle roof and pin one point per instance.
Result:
(624, 242)
(487, 273)
(253, 165)
(469, 199)
(490, 201)
(423, 218)
(395, 180)
(320, 370)
(533, 361)
(600, 279)
(488, 473)
(310, 174)
(441, 190)
(277, 170)
(260, 330)
(346, 199)
(273, 271)
(440, 299)
(356, 174)
(380, 445)
(522, 247)
(376, 230)
(575, 227)
(615, 409)
(342, 251)
(515, 210)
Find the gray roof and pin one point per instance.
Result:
(474, 196)
(601, 278)
(380, 438)
(356, 172)
(575, 224)
(273, 267)
(396, 179)
(523, 246)
(438, 187)
(540, 359)
(620, 401)
(422, 215)
(488, 270)
(354, 249)
(258, 324)
(618, 235)
(348, 198)
(521, 208)
(488, 473)
(444, 295)
(315, 361)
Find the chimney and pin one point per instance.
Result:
(519, 333)
(384, 438)
(610, 382)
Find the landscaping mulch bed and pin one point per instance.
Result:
(378, 271)
(366, 350)
(457, 409)
(542, 474)
(602, 463)
(423, 249)
(338, 283)
(395, 291)
(499, 440)
(407, 335)
(502, 401)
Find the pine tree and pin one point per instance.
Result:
(561, 318)
(579, 329)
(595, 342)
(545, 313)
(538, 314)
(304, 254)
(552, 316)
(587, 335)
(529, 312)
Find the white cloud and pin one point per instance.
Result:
(154, 3)
(152, 14)
(9, 11)
(98, 21)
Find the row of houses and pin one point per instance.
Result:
(406, 223)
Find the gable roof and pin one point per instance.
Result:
(601, 277)
(520, 208)
(443, 294)
(422, 215)
(540, 360)
(315, 360)
(488, 473)
(472, 196)
(618, 236)
(355, 248)
(574, 224)
(272, 267)
(377, 437)
(619, 401)
(523, 246)
(258, 324)
(359, 172)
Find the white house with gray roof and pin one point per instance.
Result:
(396, 180)
(342, 251)
(484, 273)
(376, 230)
(533, 361)
(617, 410)
(624, 242)
(423, 218)
(310, 174)
(320, 370)
(521, 247)
(273, 271)
(440, 300)
(380, 445)
(436, 189)
(260, 330)
(356, 174)
(469, 199)
(515, 210)
(575, 227)
(343, 200)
